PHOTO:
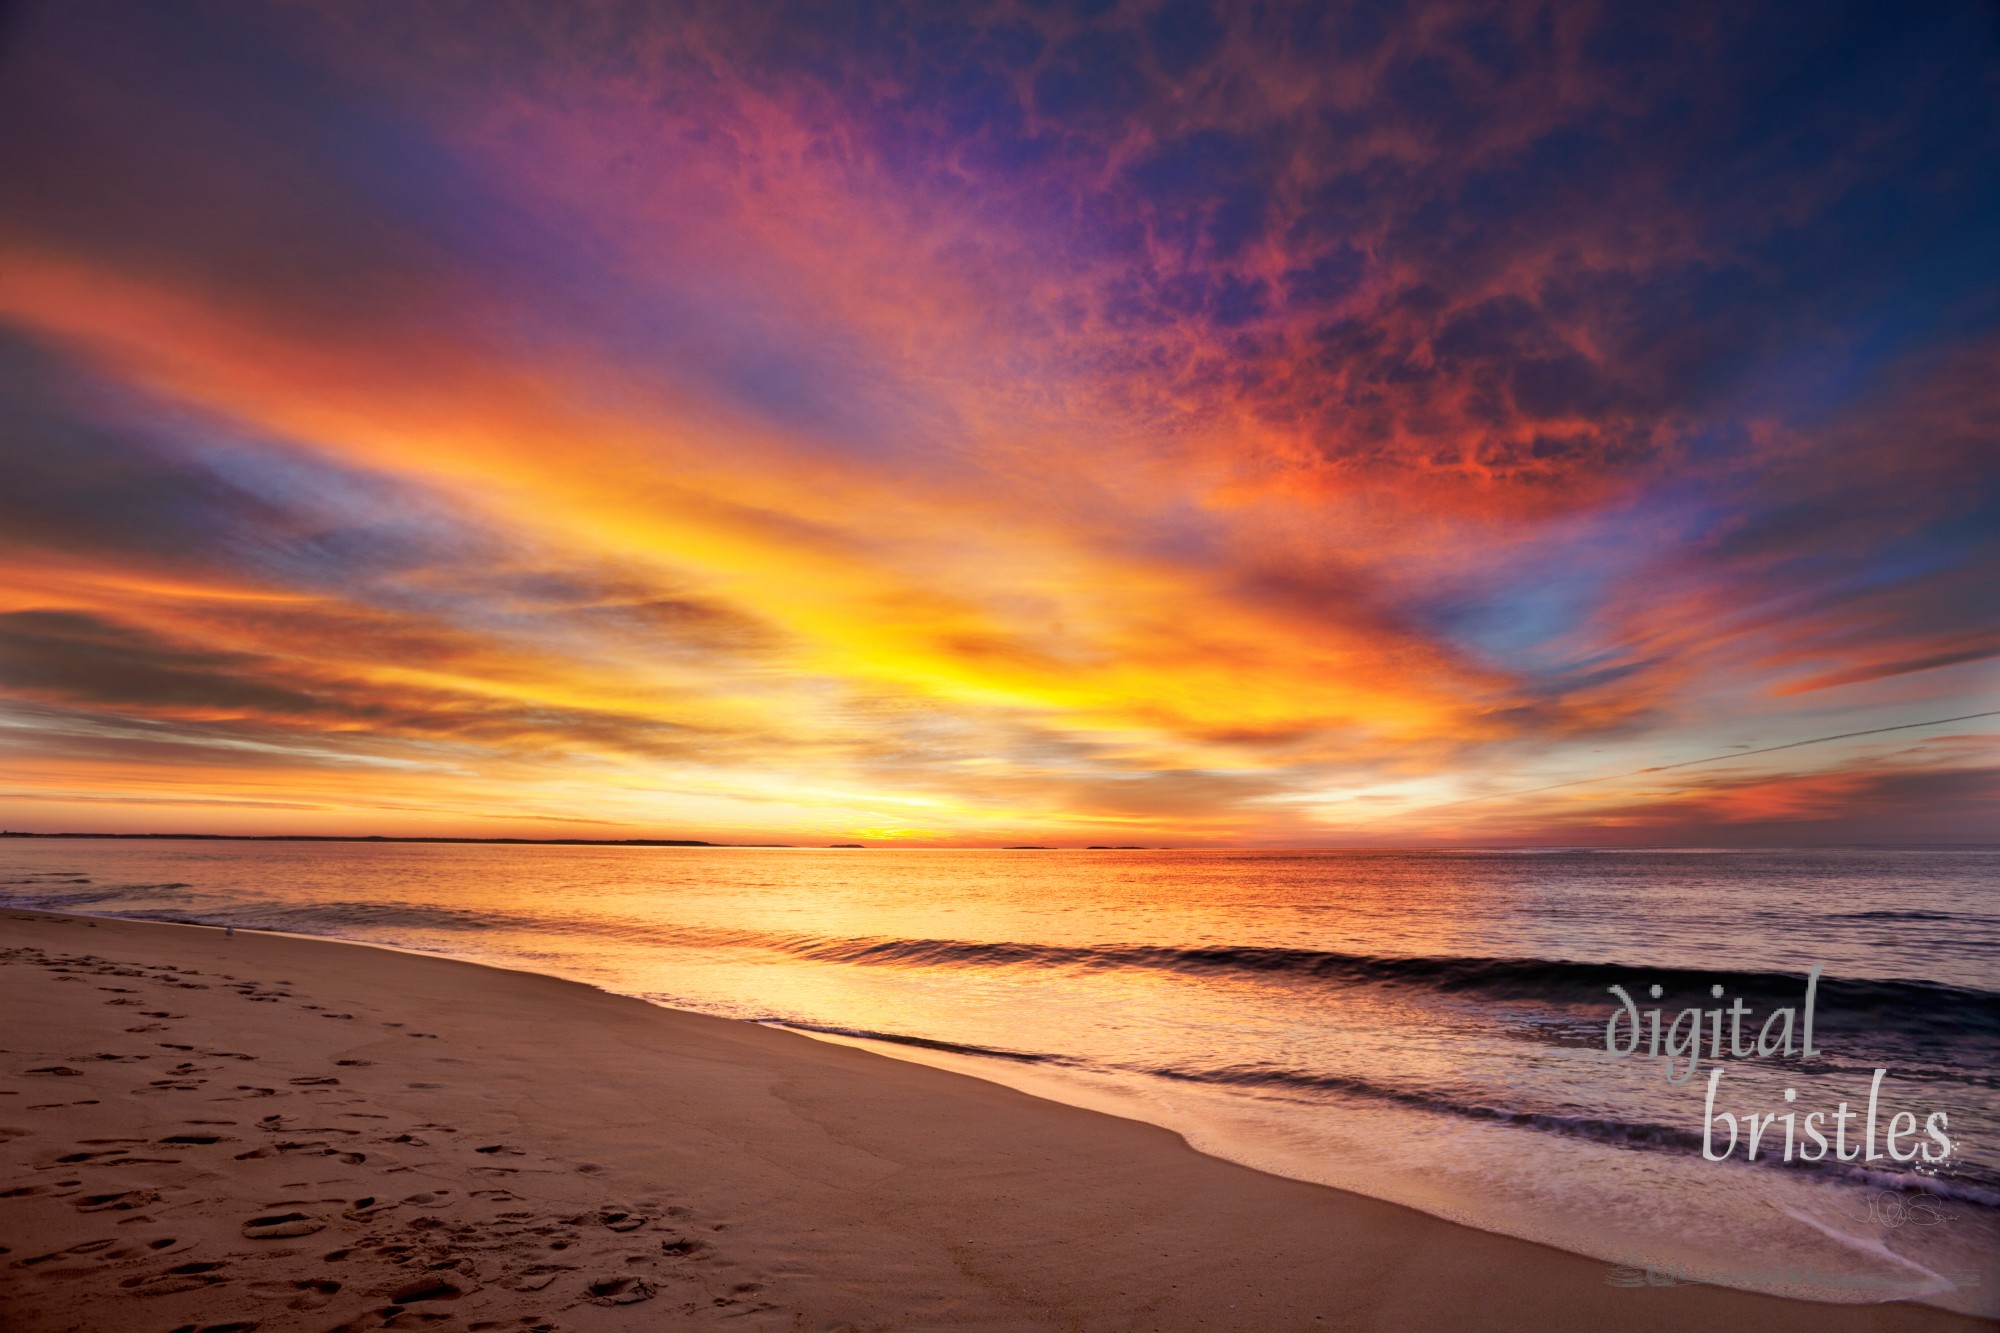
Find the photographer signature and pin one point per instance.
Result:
(1893, 1208)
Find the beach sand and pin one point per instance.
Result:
(210, 1133)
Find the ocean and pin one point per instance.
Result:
(1425, 1027)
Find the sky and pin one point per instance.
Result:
(1130, 421)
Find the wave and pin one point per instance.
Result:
(1621, 1132)
(1896, 916)
(924, 1043)
(1973, 1186)
(1902, 1004)
(56, 896)
(306, 918)
(1887, 1003)
(340, 913)
(1524, 978)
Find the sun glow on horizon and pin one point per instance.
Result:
(511, 428)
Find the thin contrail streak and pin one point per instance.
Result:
(1712, 759)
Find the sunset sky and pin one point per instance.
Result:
(959, 424)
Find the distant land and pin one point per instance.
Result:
(521, 842)
(376, 837)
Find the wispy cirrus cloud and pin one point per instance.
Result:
(1246, 420)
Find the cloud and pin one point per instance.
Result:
(1870, 804)
(1047, 413)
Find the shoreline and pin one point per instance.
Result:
(1006, 1210)
(1858, 1273)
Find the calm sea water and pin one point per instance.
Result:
(1423, 1027)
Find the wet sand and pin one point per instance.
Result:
(210, 1133)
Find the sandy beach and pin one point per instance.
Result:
(200, 1132)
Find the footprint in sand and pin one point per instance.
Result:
(307, 1294)
(619, 1220)
(124, 1201)
(28, 1191)
(72, 1158)
(429, 1288)
(534, 1279)
(618, 1291)
(88, 1247)
(315, 1148)
(280, 1226)
(190, 1276)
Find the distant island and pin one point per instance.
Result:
(376, 837)
(525, 842)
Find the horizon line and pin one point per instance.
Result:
(1010, 847)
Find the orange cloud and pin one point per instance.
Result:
(1062, 427)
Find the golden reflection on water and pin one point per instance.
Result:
(1158, 985)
